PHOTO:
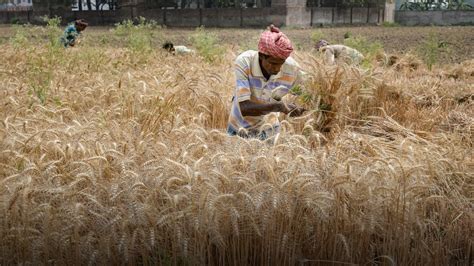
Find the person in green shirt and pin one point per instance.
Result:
(72, 31)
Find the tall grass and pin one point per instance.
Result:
(370, 49)
(430, 50)
(134, 167)
(207, 44)
(139, 36)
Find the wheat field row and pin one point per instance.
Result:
(112, 156)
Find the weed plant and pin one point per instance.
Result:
(207, 44)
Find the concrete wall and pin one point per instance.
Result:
(16, 16)
(389, 14)
(262, 17)
(329, 15)
(321, 15)
(292, 13)
(183, 17)
(298, 14)
(412, 18)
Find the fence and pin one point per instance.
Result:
(441, 18)
(212, 17)
(353, 15)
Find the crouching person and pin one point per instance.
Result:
(263, 77)
(69, 38)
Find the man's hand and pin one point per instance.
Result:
(291, 109)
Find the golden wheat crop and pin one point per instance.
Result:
(108, 157)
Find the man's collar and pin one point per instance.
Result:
(255, 67)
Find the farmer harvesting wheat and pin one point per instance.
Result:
(72, 32)
(262, 79)
(178, 49)
(339, 52)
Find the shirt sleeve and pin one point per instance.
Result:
(330, 58)
(242, 89)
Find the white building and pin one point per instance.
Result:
(17, 5)
(75, 5)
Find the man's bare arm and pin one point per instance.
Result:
(254, 108)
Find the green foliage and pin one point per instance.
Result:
(429, 5)
(317, 35)
(53, 31)
(138, 36)
(40, 75)
(124, 28)
(303, 95)
(206, 44)
(430, 49)
(20, 39)
(387, 24)
(43, 65)
(370, 49)
(15, 20)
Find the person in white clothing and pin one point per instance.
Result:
(338, 52)
(179, 49)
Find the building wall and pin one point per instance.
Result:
(442, 18)
(330, 15)
(282, 13)
(19, 5)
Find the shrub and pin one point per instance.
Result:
(316, 36)
(206, 44)
(138, 36)
(20, 38)
(370, 49)
(390, 24)
(430, 49)
(53, 31)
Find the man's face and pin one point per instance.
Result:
(272, 65)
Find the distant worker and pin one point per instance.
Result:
(72, 32)
(179, 49)
(263, 77)
(338, 52)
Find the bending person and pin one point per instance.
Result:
(72, 32)
(263, 77)
(338, 52)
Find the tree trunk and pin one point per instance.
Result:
(80, 5)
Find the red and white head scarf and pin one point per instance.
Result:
(273, 42)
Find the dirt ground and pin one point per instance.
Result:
(458, 40)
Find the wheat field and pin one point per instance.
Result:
(113, 156)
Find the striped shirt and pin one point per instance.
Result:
(252, 85)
